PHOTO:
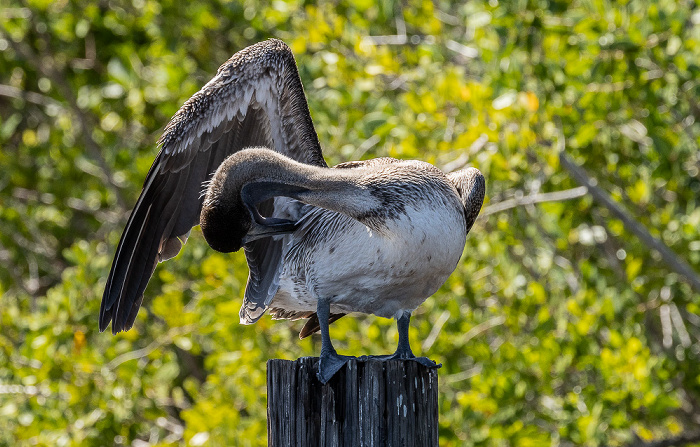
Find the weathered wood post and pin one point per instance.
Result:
(367, 403)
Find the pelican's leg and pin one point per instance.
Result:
(329, 361)
(403, 351)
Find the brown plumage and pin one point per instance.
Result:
(255, 99)
(247, 138)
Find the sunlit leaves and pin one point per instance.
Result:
(558, 327)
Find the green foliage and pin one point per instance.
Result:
(558, 327)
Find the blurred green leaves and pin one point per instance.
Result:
(557, 327)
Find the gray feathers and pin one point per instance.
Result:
(255, 99)
(471, 186)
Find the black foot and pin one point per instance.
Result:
(329, 364)
(404, 356)
(425, 361)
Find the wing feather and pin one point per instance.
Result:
(266, 261)
(312, 324)
(255, 99)
(160, 220)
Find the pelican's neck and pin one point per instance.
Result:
(252, 176)
(263, 174)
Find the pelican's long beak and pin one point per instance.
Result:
(268, 226)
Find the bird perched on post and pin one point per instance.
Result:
(241, 158)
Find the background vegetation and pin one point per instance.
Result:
(573, 318)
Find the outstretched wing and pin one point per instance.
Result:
(255, 99)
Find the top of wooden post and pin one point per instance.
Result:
(369, 402)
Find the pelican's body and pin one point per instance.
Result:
(385, 271)
(376, 237)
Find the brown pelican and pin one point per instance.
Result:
(376, 237)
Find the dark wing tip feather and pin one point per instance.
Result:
(312, 324)
(105, 317)
(149, 226)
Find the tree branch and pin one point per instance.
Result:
(556, 196)
(33, 97)
(166, 338)
(46, 66)
(672, 260)
(675, 441)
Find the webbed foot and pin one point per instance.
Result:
(425, 361)
(330, 363)
(405, 355)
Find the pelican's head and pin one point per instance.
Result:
(224, 219)
(230, 217)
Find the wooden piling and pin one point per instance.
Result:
(367, 403)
